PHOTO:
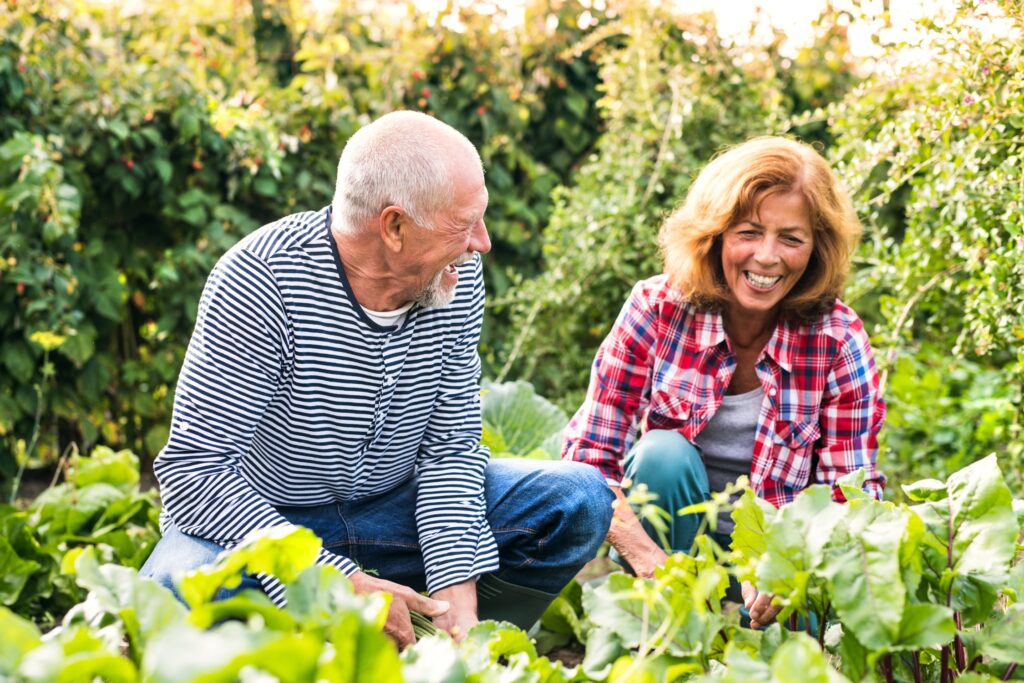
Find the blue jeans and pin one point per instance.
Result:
(548, 519)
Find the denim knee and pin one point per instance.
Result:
(664, 456)
(588, 499)
(175, 554)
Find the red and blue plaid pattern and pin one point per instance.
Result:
(666, 365)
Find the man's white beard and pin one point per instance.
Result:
(436, 294)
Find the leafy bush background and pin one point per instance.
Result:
(135, 149)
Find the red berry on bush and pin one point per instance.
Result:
(481, 110)
(20, 287)
(196, 164)
(129, 164)
(418, 74)
(425, 93)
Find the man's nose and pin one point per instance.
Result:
(479, 240)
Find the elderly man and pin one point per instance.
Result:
(331, 382)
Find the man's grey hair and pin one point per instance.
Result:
(403, 159)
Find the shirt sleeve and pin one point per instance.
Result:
(603, 428)
(232, 369)
(451, 512)
(852, 415)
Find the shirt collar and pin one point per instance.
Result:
(710, 331)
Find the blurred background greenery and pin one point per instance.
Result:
(137, 146)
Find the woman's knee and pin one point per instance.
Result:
(664, 455)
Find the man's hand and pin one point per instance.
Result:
(762, 611)
(399, 624)
(462, 615)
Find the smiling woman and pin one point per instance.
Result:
(740, 360)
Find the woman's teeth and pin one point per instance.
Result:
(762, 281)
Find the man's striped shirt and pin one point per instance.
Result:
(290, 395)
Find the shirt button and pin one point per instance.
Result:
(390, 380)
(686, 415)
(772, 391)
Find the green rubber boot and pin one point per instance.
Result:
(504, 601)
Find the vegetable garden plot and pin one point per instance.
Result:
(929, 591)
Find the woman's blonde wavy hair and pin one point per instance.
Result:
(730, 189)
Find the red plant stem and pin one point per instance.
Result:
(1009, 671)
(944, 673)
(916, 659)
(886, 663)
(821, 628)
(961, 653)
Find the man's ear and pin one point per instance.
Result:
(393, 224)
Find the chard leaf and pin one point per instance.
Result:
(794, 549)
(852, 485)
(17, 637)
(361, 653)
(433, 660)
(853, 657)
(280, 551)
(1002, 638)
(751, 517)
(604, 647)
(863, 569)
(563, 614)
(145, 607)
(660, 669)
(104, 465)
(976, 514)
(185, 654)
(75, 654)
(924, 626)
(800, 660)
(14, 573)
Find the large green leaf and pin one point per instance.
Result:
(280, 551)
(604, 647)
(800, 660)
(76, 654)
(433, 660)
(17, 637)
(15, 572)
(863, 568)
(104, 465)
(751, 517)
(971, 537)
(519, 422)
(794, 549)
(145, 607)
(184, 654)
(362, 653)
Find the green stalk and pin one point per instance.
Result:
(422, 626)
(32, 442)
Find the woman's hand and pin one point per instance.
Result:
(632, 542)
(762, 610)
(399, 624)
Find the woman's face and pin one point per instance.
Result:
(765, 255)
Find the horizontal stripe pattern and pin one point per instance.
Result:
(291, 396)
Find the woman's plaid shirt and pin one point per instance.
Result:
(666, 365)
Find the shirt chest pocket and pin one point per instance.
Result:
(792, 445)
